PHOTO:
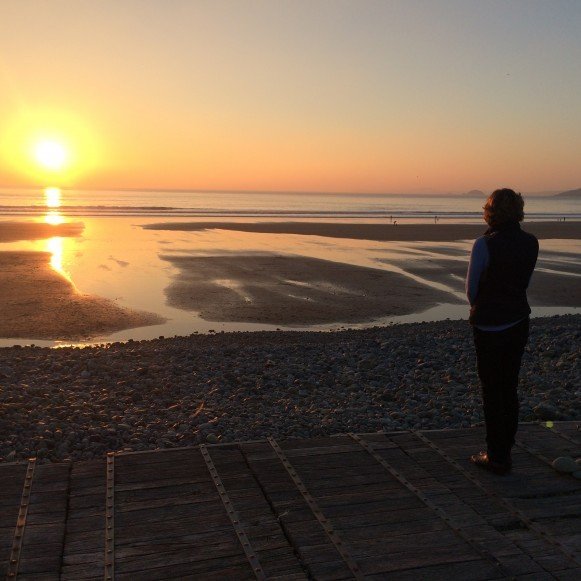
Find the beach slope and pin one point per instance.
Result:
(39, 303)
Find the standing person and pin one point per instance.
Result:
(501, 264)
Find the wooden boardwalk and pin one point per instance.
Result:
(402, 506)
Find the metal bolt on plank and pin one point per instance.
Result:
(439, 511)
(14, 560)
(109, 573)
(240, 532)
(513, 510)
(327, 527)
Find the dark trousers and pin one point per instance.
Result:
(499, 355)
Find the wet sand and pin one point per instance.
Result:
(379, 232)
(267, 288)
(252, 289)
(293, 290)
(15, 231)
(547, 289)
(36, 302)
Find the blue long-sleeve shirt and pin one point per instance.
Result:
(479, 260)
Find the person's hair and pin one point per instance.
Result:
(503, 206)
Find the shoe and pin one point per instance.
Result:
(483, 461)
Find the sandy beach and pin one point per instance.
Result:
(247, 273)
(39, 303)
(380, 232)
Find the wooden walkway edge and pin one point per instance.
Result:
(403, 505)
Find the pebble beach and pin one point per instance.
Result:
(78, 403)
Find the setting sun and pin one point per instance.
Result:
(49, 146)
(51, 155)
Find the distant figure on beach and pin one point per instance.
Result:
(501, 264)
(395, 222)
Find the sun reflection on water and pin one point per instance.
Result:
(52, 197)
(55, 245)
(54, 218)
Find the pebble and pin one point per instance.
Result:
(79, 403)
(565, 464)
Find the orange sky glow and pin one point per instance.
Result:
(292, 96)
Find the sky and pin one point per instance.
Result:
(299, 95)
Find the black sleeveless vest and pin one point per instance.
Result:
(502, 296)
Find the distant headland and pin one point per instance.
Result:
(570, 194)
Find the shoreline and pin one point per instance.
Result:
(73, 403)
(378, 232)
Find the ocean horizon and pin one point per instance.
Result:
(76, 202)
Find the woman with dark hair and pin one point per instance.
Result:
(501, 264)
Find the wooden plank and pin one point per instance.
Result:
(234, 517)
(11, 481)
(570, 575)
(182, 563)
(496, 488)
(418, 557)
(467, 571)
(329, 571)
(42, 541)
(209, 572)
(256, 515)
(85, 531)
(170, 523)
(14, 561)
(333, 536)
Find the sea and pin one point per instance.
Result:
(205, 204)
